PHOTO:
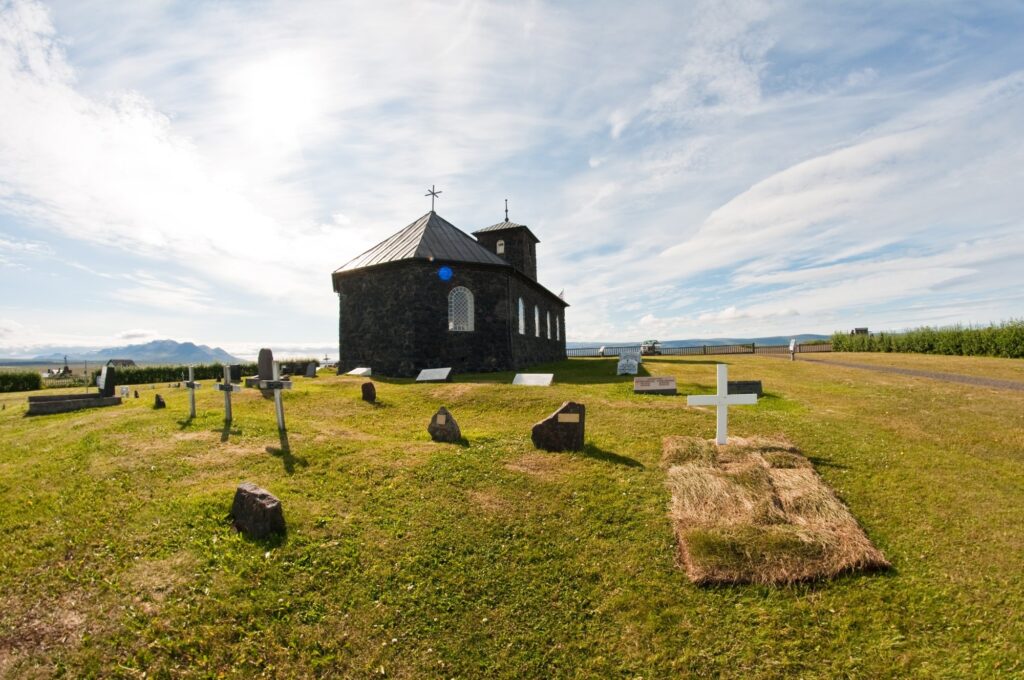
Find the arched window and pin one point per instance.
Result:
(501, 248)
(558, 327)
(522, 317)
(547, 325)
(536, 321)
(460, 309)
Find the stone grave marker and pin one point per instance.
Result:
(434, 375)
(563, 430)
(362, 372)
(257, 512)
(236, 373)
(369, 392)
(310, 370)
(533, 379)
(159, 402)
(627, 366)
(107, 381)
(265, 364)
(443, 428)
(792, 349)
(192, 386)
(654, 385)
(746, 387)
(125, 391)
(722, 400)
(136, 394)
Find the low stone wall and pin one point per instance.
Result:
(65, 403)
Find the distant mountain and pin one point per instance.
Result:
(698, 342)
(155, 352)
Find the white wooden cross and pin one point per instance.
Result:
(722, 400)
(227, 388)
(277, 385)
(192, 386)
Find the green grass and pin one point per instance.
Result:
(422, 560)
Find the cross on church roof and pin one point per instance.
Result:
(433, 194)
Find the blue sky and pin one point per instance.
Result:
(197, 170)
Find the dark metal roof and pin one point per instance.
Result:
(503, 226)
(429, 237)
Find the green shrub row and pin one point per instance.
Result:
(140, 375)
(20, 381)
(1004, 339)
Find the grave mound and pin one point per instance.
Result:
(755, 511)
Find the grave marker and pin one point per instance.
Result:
(533, 379)
(563, 430)
(722, 400)
(792, 349)
(443, 428)
(434, 375)
(227, 388)
(627, 366)
(192, 386)
(746, 387)
(654, 385)
(369, 392)
(277, 385)
(310, 370)
(159, 402)
(256, 511)
(362, 372)
(107, 381)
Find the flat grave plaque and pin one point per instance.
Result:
(654, 385)
(434, 375)
(568, 417)
(362, 372)
(533, 379)
(627, 366)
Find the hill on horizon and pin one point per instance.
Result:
(154, 352)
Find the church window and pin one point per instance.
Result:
(547, 325)
(460, 309)
(536, 321)
(522, 317)
(558, 327)
(501, 248)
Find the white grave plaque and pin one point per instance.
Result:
(441, 419)
(434, 375)
(568, 417)
(627, 366)
(654, 385)
(534, 379)
(361, 371)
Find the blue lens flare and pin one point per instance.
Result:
(445, 273)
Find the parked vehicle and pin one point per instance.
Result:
(650, 347)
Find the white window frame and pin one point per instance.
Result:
(464, 296)
(522, 317)
(500, 248)
(536, 321)
(558, 327)
(547, 324)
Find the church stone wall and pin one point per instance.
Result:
(394, 319)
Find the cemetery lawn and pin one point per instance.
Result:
(411, 559)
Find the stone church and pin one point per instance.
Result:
(432, 296)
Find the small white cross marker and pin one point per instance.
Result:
(722, 400)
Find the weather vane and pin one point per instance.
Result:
(433, 194)
(506, 210)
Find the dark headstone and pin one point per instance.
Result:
(256, 511)
(443, 428)
(136, 394)
(310, 370)
(107, 381)
(235, 373)
(159, 402)
(746, 387)
(369, 392)
(562, 430)
(265, 364)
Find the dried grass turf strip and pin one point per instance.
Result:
(755, 511)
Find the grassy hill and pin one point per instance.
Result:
(406, 558)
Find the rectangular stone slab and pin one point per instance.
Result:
(434, 375)
(654, 385)
(745, 387)
(533, 379)
(39, 408)
(362, 372)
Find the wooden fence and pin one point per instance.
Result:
(700, 350)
